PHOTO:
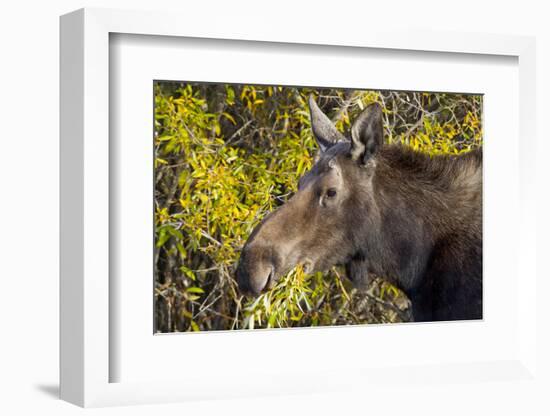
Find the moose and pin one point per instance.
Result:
(379, 209)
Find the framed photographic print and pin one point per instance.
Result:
(293, 208)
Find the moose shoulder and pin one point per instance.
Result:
(381, 209)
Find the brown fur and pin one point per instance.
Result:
(397, 213)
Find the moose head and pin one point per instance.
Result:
(321, 224)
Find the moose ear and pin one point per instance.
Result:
(324, 131)
(367, 133)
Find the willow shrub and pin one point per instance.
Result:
(226, 155)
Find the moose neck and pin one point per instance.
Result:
(415, 199)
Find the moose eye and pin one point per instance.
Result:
(331, 193)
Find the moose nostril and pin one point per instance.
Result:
(255, 271)
(253, 280)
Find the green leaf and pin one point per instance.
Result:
(163, 237)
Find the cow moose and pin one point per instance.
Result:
(382, 209)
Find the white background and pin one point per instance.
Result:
(29, 209)
(135, 64)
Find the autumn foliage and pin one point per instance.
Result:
(226, 155)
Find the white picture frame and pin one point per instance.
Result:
(85, 353)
